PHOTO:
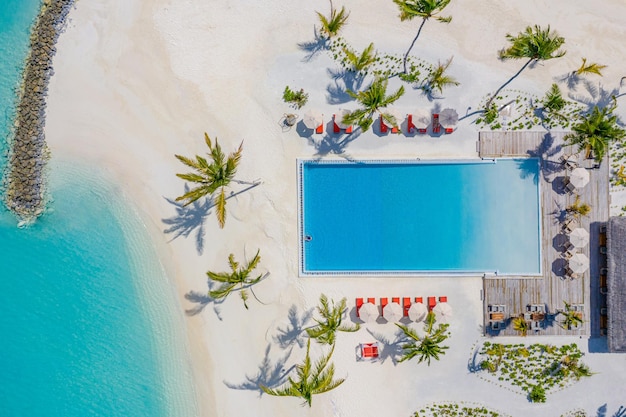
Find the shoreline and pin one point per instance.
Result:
(25, 191)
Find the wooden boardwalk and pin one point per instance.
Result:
(552, 289)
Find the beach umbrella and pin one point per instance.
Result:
(395, 112)
(579, 177)
(392, 312)
(443, 312)
(507, 111)
(312, 118)
(448, 118)
(578, 263)
(421, 118)
(368, 312)
(579, 237)
(339, 118)
(418, 312)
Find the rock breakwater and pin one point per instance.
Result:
(25, 182)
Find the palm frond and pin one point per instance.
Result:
(592, 68)
(193, 195)
(220, 208)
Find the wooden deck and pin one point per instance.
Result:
(552, 289)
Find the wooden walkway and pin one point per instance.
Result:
(552, 289)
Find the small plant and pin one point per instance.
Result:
(591, 68)
(297, 98)
(537, 394)
(360, 63)
(334, 23)
(578, 209)
(438, 79)
(238, 279)
(520, 325)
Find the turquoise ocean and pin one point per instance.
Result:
(88, 318)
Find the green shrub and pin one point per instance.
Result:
(297, 98)
(537, 394)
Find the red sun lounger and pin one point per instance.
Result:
(383, 302)
(443, 299)
(320, 129)
(383, 126)
(336, 127)
(409, 124)
(395, 300)
(432, 302)
(371, 300)
(448, 130)
(359, 303)
(406, 304)
(436, 125)
(419, 300)
(349, 129)
(369, 350)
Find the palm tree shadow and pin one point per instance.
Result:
(571, 80)
(269, 374)
(293, 332)
(596, 96)
(544, 152)
(188, 219)
(200, 299)
(335, 143)
(312, 48)
(342, 81)
(391, 349)
(621, 412)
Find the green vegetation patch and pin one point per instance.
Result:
(455, 409)
(533, 369)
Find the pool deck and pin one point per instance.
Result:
(516, 293)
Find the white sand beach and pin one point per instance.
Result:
(138, 81)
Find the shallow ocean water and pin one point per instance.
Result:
(88, 318)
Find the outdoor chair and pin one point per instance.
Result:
(406, 305)
(359, 303)
(443, 299)
(320, 129)
(409, 124)
(383, 127)
(432, 302)
(367, 351)
(336, 128)
(448, 130)
(395, 300)
(436, 125)
(383, 302)
(419, 300)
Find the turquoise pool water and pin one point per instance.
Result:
(88, 318)
(412, 217)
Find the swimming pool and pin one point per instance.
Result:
(420, 217)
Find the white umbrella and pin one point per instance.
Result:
(312, 118)
(579, 237)
(507, 111)
(443, 312)
(448, 118)
(579, 177)
(339, 118)
(578, 263)
(399, 115)
(421, 118)
(392, 312)
(368, 312)
(417, 312)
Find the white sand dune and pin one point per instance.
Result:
(138, 81)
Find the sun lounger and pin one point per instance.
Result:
(383, 127)
(320, 129)
(409, 124)
(432, 302)
(395, 300)
(406, 304)
(448, 130)
(336, 127)
(371, 300)
(443, 299)
(349, 129)
(395, 129)
(359, 303)
(436, 125)
(383, 303)
(419, 300)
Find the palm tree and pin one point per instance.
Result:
(373, 100)
(331, 322)
(554, 101)
(520, 325)
(427, 347)
(311, 379)
(361, 62)
(578, 209)
(571, 318)
(211, 176)
(423, 9)
(536, 44)
(595, 131)
(592, 68)
(438, 79)
(333, 24)
(237, 277)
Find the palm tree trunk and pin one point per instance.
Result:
(508, 82)
(406, 56)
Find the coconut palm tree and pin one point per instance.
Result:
(520, 325)
(211, 176)
(237, 279)
(438, 79)
(334, 23)
(372, 100)
(427, 347)
(535, 44)
(331, 321)
(595, 132)
(359, 63)
(554, 101)
(421, 9)
(310, 380)
(571, 318)
(592, 68)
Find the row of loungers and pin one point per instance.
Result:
(384, 128)
(406, 303)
